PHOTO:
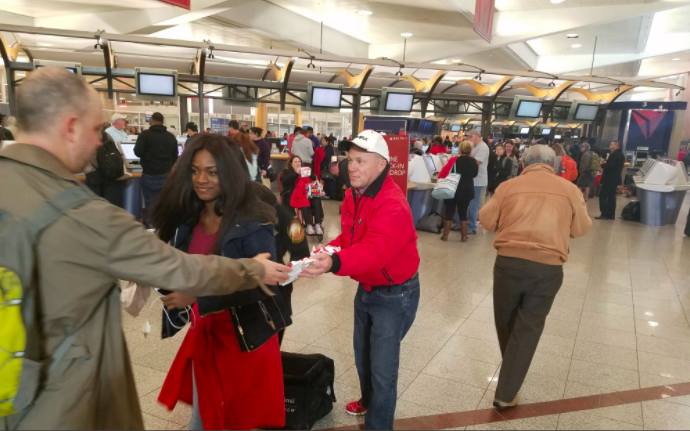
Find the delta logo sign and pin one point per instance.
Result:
(186, 4)
(648, 121)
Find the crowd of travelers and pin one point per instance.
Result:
(216, 247)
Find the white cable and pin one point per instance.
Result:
(147, 326)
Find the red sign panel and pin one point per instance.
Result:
(179, 3)
(484, 18)
(399, 149)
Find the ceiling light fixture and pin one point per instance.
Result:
(557, 1)
(406, 34)
(573, 36)
(456, 61)
(365, 12)
(675, 59)
(576, 45)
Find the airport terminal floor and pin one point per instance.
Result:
(615, 353)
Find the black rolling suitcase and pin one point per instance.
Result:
(309, 391)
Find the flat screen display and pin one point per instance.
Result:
(180, 149)
(128, 149)
(557, 137)
(545, 132)
(528, 109)
(399, 102)
(156, 85)
(524, 131)
(455, 149)
(586, 112)
(479, 128)
(430, 163)
(283, 143)
(455, 128)
(326, 97)
(69, 69)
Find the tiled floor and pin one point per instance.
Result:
(620, 323)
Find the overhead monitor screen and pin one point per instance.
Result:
(586, 112)
(69, 69)
(545, 132)
(156, 85)
(455, 128)
(399, 102)
(524, 131)
(326, 97)
(557, 137)
(528, 109)
(128, 149)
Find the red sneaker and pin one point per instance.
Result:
(356, 409)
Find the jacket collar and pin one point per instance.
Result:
(158, 128)
(374, 188)
(183, 235)
(39, 158)
(539, 167)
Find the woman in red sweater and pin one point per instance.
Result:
(438, 147)
(229, 364)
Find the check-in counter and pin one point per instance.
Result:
(132, 199)
(278, 163)
(661, 189)
(420, 199)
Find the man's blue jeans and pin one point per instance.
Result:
(151, 185)
(382, 319)
(474, 208)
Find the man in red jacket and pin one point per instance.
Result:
(379, 250)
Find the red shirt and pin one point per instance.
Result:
(438, 149)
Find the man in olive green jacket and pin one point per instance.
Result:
(79, 257)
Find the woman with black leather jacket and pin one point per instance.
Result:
(503, 169)
(229, 364)
(290, 238)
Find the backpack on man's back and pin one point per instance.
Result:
(568, 169)
(595, 164)
(110, 162)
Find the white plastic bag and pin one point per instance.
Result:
(134, 298)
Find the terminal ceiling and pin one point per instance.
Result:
(636, 39)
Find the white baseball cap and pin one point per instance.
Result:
(370, 141)
(116, 117)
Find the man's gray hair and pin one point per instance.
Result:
(48, 94)
(586, 145)
(539, 154)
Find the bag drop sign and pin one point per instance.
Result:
(399, 149)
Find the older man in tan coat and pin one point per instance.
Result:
(79, 257)
(535, 215)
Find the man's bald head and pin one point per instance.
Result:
(51, 93)
(60, 113)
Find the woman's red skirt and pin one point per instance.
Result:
(237, 390)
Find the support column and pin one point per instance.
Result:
(298, 118)
(356, 115)
(262, 116)
(487, 115)
(184, 115)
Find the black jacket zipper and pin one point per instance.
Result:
(239, 328)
